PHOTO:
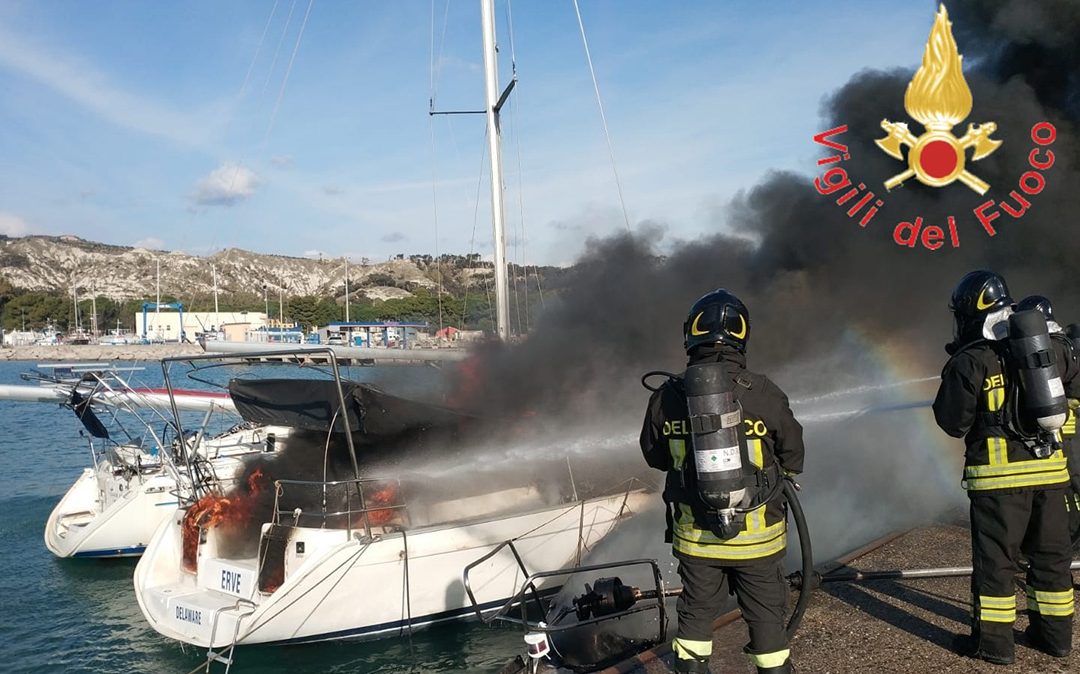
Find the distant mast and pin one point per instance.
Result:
(346, 289)
(217, 319)
(157, 305)
(494, 104)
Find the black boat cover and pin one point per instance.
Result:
(313, 404)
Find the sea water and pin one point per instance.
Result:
(80, 615)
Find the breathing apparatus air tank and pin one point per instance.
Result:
(1042, 395)
(719, 445)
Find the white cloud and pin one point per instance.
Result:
(13, 225)
(226, 185)
(150, 243)
(282, 161)
(79, 80)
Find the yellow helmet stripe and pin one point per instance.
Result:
(742, 332)
(694, 327)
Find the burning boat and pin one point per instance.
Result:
(346, 553)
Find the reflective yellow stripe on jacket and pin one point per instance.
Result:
(759, 539)
(1070, 423)
(1001, 473)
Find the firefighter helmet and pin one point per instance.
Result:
(978, 294)
(718, 316)
(1038, 302)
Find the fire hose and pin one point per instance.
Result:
(856, 576)
(608, 596)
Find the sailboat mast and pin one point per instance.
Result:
(217, 319)
(157, 306)
(346, 289)
(491, 94)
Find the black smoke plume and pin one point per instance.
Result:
(808, 272)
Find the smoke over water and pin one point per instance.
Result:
(838, 313)
(833, 306)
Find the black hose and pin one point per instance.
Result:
(807, 556)
(656, 373)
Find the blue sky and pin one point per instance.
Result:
(171, 124)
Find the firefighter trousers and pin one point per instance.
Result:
(761, 592)
(1004, 525)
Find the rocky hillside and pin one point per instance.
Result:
(56, 264)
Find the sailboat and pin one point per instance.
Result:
(133, 481)
(378, 553)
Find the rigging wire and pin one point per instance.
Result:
(476, 217)
(436, 64)
(603, 117)
(522, 238)
(288, 71)
(281, 41)
(258, 48)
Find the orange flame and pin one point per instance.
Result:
(938, 96)
(384, 496)
(231, 511)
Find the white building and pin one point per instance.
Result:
(165, 325)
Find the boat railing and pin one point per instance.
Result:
(530, 594)
(352, 505)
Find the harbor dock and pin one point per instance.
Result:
(884, 626)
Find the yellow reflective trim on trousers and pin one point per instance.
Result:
(688, 649)
(768, 660)
(994, 615)
(678, 453)
(994, 398)
(1008, 601)
(1056, 604)
(997, 609)
(996, 450)
(1053, 611)
(1051, 597)
(756, 456)
(731, 552)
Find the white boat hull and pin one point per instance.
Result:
(350, 587)
(111, 512)
(79, 527)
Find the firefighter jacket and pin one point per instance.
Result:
(774, 441)
(971, 403)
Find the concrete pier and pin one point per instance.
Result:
(889, 626)
(97, 352)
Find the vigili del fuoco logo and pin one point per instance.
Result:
(938, 98)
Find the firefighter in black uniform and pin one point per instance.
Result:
(716, 331)
(1068, 431)
(1017, 500)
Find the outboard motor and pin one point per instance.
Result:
(1041, 393)
(719, 443)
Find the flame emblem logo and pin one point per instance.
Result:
(938, 97)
